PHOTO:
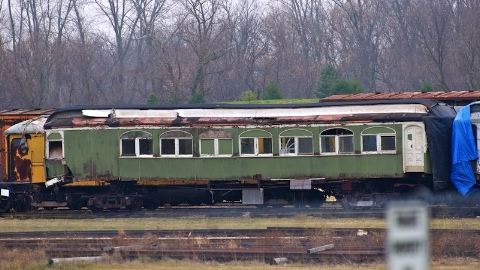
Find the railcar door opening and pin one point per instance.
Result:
(413, 149)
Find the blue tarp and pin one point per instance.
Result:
(463, 151)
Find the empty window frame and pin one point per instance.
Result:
(176, 144)
(54, 146)
(296, 142)
(256, 143)
(336, 141)
(379, 140)
(136, 144)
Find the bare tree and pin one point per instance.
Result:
(62, 16)
(53, 55)
(205, 33)
(308, 19)
(31, 29)
(401, 64)
(149, 13)
(248, 47)
(466, 47)
(361, 34)
(123, 19)
(433, 22)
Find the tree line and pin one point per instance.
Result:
(56, 53)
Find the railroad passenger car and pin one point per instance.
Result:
(363, 153)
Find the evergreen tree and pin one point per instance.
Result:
(152, 98)
(328, 77)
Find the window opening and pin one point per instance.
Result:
(136, 143)
(387, 143)
(146, 146)
(176, 143)
(185, 147)
(296, 146)
(55, 149)
(337, 141)
(379, 143)
(248, 146)
(128, 147)
(264, 145)
(256, 144)
(54, 146)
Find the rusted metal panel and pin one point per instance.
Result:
(26, 158)
(212, 121)
(9, 118)
(449, 97)
(24, 113)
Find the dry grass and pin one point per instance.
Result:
(465, 244)
(169, 264)
(118, 224)
(448, 252)
(22, 259)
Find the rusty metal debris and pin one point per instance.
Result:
(320, 248)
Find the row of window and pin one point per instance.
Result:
(258, 143)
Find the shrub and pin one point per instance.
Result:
(272, 91)
(249, 96)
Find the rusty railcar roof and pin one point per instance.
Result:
(449, 97)
(228, 114)
(21, 113)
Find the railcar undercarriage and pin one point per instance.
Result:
(127, 195)
(351, 194)
(134, 195)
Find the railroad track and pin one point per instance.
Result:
(330, 210)
(270, 244)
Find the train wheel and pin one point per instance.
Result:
(75, 202)
(135, 205)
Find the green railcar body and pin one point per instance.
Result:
(94, 154)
